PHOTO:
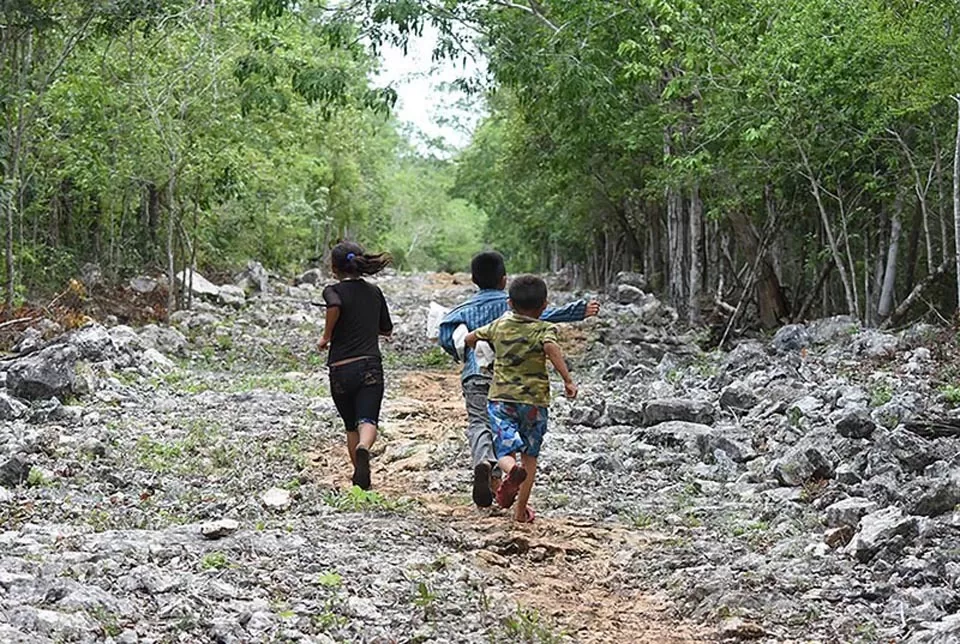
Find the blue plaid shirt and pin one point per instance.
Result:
(485, 307)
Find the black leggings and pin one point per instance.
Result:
(357, 389)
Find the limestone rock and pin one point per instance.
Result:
(144, 284)
(802, 464)
(48, 373)
(253, 279)
(628, 294)
(848, 512)
(276, 498)
(677, 409)
(792, 337)
(856, 424)
(738, 397)
(198, 284)
(314, 276)
(219, 529)
(11, 408)
(231, 295)
(880, 529)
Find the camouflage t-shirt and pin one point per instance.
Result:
(520, 366)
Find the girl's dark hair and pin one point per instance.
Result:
(350, 259)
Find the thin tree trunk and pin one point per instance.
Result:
(921, 191)
(878, 265)
(956, 199)
(915, 294)
(913, 248)
(834, 248)
(696, 236)
(890, 273)
(171, 268)
(714, 274)
(938, 169)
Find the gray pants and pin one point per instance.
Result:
(479, 434)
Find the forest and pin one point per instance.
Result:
(771, 160)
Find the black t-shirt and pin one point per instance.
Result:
(363, 318)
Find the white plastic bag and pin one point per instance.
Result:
(484, 354)
(459, 340)
(434, 318)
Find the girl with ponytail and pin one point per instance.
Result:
(357, 315)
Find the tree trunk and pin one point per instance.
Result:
(771, 302)
(171, 268)
(956, 199)
(828, 231)
(713, 272)
(676, 293)
(938, 169)
(890, 274)
(913, 248)
(696, 236)
(915, 294)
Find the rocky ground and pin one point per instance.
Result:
(187, 483)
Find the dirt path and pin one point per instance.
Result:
(566, 570)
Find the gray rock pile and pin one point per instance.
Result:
(793, 462)
(150, 484)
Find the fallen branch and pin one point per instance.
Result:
(945, 428)
(9, 323)
(915, 294)
(718, 300)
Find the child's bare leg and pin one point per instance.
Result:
(353, 438)
(367, 434)
(506, 463)
(530, 465)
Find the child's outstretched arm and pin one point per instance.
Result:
(555, 356)
(471, 340)
(483, 333)
(573, 312)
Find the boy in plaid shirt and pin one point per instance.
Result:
(491, 302)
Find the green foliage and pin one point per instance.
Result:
(358, 500)
(880, 394)
(330, 580)
(214, 561)
(256, 131)
(951, 394)
(526, 625)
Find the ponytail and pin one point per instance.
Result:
(349, 258)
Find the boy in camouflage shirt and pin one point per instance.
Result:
(520, 394)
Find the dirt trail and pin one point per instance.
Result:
(564, 568)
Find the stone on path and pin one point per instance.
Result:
(198, 284)
(679, 409)
(276, 498)
(46, 374)
(879, 529)
(219, 528)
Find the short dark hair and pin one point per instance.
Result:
(488, 269)
(528, 292)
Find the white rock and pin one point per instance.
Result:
(198, 284)
(232, 295)
(219, 528)
(276, 498)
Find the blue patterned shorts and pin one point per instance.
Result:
(517, 427)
